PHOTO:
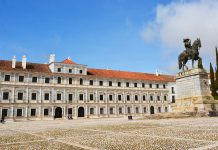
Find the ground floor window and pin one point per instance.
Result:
(166, 109)
(159, 109)
(19, 113)
(70, 111)
(144, 109)
(120, 110)
(111, 110)
(91, 111)
(173, 99)
(101, 111)
(45, 112)
(33, 112)
(5, 95)
(20, 96)
(137, 110)
(5, 112)
(128, 110)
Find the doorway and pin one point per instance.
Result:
(81, 112)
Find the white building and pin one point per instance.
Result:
(60, 89)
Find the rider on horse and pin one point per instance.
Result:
(188, 46)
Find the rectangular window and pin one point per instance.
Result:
(143, 85)
(70, 80)
(135, 85)
(7, 77)
(45, 112)
(164, 86)
(70, 97)
(119, 97)
(101, 83)
(137, 110)
(46, 96)
(21, 78)
(151, 97)
(81, 71)
(172, 90)
(5, 95)
(101, 111)
(119, 84)
(91, 82)
(111, 110)
(70, 70)
(120, 110)
(165, 97)
(81, 97)
(33, 97)
(144, 109)
(4, 112)
(128, 97)
(91, 111)
(150, 85)
(59, 80)
(136, 97)
(144, 98)
(34, 79)
(128, 110)
(91, 97)
(59, 96)
(33, 112)
(70, 111)
(127, 84)
(110, 97)
(158, 98)
(159, 109)
(157, 86)
(59, 69)
(19, 112)
(81, 81)
(101, 97)
(173, 99)
(47, 80)
(166, 109)
(110, 83)
(20, 96)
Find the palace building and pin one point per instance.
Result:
(32, 91)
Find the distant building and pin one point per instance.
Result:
(61, 89)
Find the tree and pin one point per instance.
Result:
(216, 75)
(213, 88)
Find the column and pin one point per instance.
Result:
(26, 111)
(64, 112)
(76, 111)
(0, 112)
(86, 111)
(27, 95)
(13, 95)
(52, 111)
(12, 112)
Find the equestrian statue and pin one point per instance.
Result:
(190, 53)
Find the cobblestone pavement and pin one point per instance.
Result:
(111, 134)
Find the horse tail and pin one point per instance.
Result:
(180, 62)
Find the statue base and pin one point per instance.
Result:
(193, 92)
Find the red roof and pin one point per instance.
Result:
(68, 61)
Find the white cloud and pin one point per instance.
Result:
(185, 19)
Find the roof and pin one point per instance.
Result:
(44, 68)
(68, 61)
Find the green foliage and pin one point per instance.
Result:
(216, 75)
(213, 88)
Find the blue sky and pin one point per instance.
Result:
(98, 33)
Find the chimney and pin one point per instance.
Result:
(24, 62)
(157, 73)
(14, 62)
(52, 58)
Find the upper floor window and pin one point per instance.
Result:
(81, 71)
(91, 82)
(5, 95)
(127, 84)
(70, 97)
(172, 90)
(164, 86)
(128, 97)
(91, 97)
(110, 97)
(34, 79)
(59, 96)
(81, 81)
(33, 97)
(137, 110)
(110, 83)
(173, 99)
(165, 97)
(151, 97)
(46, 96)
(47, 80)
(21, 78)
(119, 84)
(7, 77)
(101, 83)
(150, 85)
(81, 97)
(91, 111)
(119, 97)
(135, 84)
(158, 98)
(136, 97)
(45, 112)
(101, 97)
(144, 97)
(20, 96)
(143, 85)
(59, 80)
(101, 111)
(70, 80)
(70, 70)
(120, 110)
(33, 112)
(59, 69)
(157, 86)
(111, 110)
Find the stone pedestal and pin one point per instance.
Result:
(193, 92)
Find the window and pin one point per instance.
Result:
(21, 78)
(70, 70)
(45, 112)
(172, 90)
(136, 97)
(127, 84)
(4, 112)
(159, 109)
(101, 97)
(58, 96)
(151, 97)
(20, 96)
(70, 111)
(33, 97)
(101, 111)
(158, 98)
(91, 97)
(135, 85)
(165, 97)
(128, 110)
(150, 85)
(70, 97)
(120, 110)
(34, 79)
(70, 81)
(19, 112)
(47, 80)
(119, 97)
(101, 83)
(119, 84)
(7, 77)
(110, 83)
(157, 86)
(81, 81)
(164, 86)
(81, 97)
(143, 85)
(111, 110)
(33, 112)
(128, 97)
(91, 111)
(59, 69)
(144, 109)
(46, 96)
(137, 110)
(144, 97)
(173, 99)
(81, 71)
(166, 109)
(59, 80)
(91, 82)
(5, 95)
(110, 97)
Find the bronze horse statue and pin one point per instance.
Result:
(191, 53)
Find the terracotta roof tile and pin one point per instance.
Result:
(68, 61)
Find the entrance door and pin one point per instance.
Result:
(81, 112)
(152, 109)
(58, 112)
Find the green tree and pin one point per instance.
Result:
(213, 88)
(216, 75)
